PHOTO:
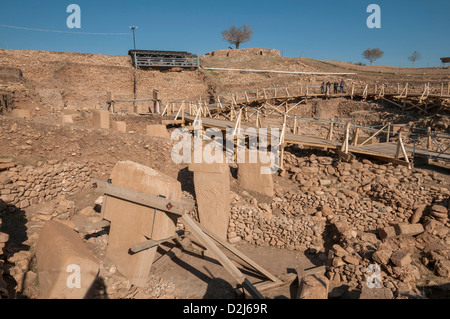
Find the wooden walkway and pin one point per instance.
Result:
(240, 106)
(382, 151)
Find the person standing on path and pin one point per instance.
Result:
(342, 85)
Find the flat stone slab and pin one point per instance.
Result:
(212, 191)
(66, 267)
(158, 130)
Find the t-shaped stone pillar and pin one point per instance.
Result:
(212, 191)
(132, 223)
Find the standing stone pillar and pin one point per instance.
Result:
(250, 175)
(132, 223)
(100, 118)
(212, 191)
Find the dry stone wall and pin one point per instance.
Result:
(26, 186)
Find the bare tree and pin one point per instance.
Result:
(414, 57)
(372, 54)
(237, 36)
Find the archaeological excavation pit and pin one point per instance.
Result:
(89, 185)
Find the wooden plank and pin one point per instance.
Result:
(252, 289)
(269, 285)
(148, 200)
(220, 256)
(152, 243)
(6, 160)
(172, 122)
(239, 254)
(213, 249)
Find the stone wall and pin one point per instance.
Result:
(245, 52)
(25, 186)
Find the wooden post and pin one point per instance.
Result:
(295, 126)
(182, 111)
(330, 132)
(156, 107)
(355, 137)
(344, 146)
(428, 137)
(442, 89)
(397, 153)
(282, 142)
(398, 88)
(257, 119)
(388, 137)
(353, 90)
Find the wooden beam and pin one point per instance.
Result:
(152, 243)
(238, 254)
(355, 137)
(172, 122)
(330, 131)
(220, 256)
(163, 204)
(375, 134)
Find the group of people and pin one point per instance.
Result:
(337, 85)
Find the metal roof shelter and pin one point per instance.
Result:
(154, 58)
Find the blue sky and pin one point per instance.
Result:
(326, 30)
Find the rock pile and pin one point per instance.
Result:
(403, 252)
(365, 195)
(368, 195)
(354, 215)
(26, 186)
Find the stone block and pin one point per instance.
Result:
(314, 287)
(22, 113)
(158, 130)
(400, 259)
(212, 191)
(417, 215)
(409, 229)
(67, 119)
(119, 126)
(132, 223)
(382, 256)
(66, 267)
(387, 232)
(100, 119)
(250, 176)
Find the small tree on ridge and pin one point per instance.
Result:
(372, 54)
(237, 36)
